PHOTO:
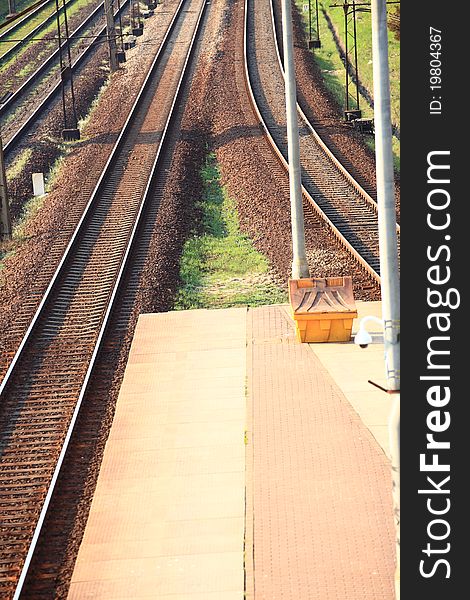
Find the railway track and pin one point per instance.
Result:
(27, 103)
(324, 128)
(19, 19)
(328, 188)
(11, 40)
(48, 379)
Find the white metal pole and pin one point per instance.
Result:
(299, 261)
(11, 8)
(389, 273)
(5, 221)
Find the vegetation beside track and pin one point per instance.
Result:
(220, 268)
(34, 204)
(332, 68)
(49, 32)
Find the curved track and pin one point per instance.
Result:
(327, 186)
(42, 392)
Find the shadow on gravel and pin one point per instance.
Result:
(102, 138)
(236, 133)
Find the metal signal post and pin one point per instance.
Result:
(11, 8)
(5, 221)
(111, 34)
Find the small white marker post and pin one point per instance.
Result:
(38, 184)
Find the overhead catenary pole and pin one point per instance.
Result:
(352, 7)
(111, 34)
(11, 7)
(299, 261)
(309, 20)
(355, 52)
(318, 22)
(61, 62)
(390, 285)
(313, 43)
(69, 56)
(5, 221)
(349, 9)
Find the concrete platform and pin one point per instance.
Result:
(240, 458)
(167, 518)
(351, 367)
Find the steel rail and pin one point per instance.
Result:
(6, 55)
(48, 62)
(124, 263)
(357, 186)
(22, 16)
(279, 155)
(15, 138)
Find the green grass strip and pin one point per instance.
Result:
(364, 51)
(328, 59)
(19, 6)
(220, 267)
(43, 46)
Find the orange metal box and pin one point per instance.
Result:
(323, 308)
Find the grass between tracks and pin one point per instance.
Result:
(31, 207)
(42, 45)
(220, 267)
(19, 4)
(332, 68)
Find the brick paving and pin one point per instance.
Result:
(319, 508)
(235, 461)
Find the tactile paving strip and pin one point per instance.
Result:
(319, 506)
